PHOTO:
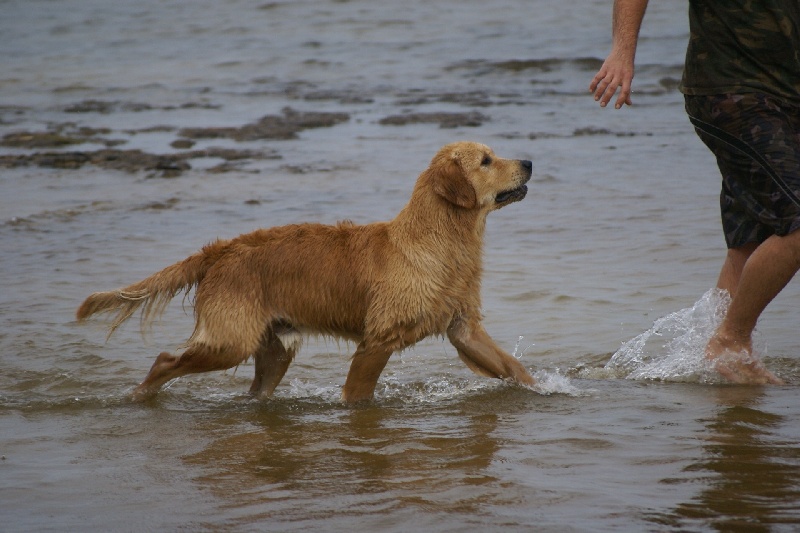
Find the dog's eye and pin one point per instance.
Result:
(486, 161)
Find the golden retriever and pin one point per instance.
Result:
(384, 286)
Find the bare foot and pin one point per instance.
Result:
(736, 363)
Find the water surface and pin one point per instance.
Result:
(598, 280)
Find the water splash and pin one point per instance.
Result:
(440, 389)
(674, 348)
(389, 388)
(517, 353)
(548, 382)
(553, 382)
(300, 389)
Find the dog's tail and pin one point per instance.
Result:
(152, 294)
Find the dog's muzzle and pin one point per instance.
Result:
(517, 194)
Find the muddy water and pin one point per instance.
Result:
(133, 133)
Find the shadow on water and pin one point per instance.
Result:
(750, 469)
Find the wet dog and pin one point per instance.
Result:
(384, 286)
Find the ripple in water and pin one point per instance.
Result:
(440, 389)
(674, 348)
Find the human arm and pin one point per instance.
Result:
(617, 70)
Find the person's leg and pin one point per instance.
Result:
(732, 268)
(771, 266)
(757, 145)
(767, 271)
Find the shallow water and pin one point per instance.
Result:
(598, 281)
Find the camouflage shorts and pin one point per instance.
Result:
(756, 139)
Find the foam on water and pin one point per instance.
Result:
(674, 348)
(302, 389)
(430, 391)
(553, 382)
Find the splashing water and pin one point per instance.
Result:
(434, 390)
(674, 348)
(553, 382)
(516, 348)
(548, 382)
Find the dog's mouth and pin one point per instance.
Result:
(512, 195)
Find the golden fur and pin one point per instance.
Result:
(384, 285)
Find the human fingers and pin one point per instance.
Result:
(600, 83)
(606, 89)
(596, 80)
(624, 95)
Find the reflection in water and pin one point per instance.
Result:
(750, 469)
(333, 463)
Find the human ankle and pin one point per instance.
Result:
(725, 342)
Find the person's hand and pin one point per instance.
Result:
(616, 73)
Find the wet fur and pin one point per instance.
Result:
(384, 286)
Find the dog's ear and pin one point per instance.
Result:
(450, 182)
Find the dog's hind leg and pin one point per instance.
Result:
(367, 364)
(197, 358)
(272, 358)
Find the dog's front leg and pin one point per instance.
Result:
(480, 353)
(367, 364)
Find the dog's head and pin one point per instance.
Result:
(470, 176)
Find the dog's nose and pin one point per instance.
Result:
(526, 164)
